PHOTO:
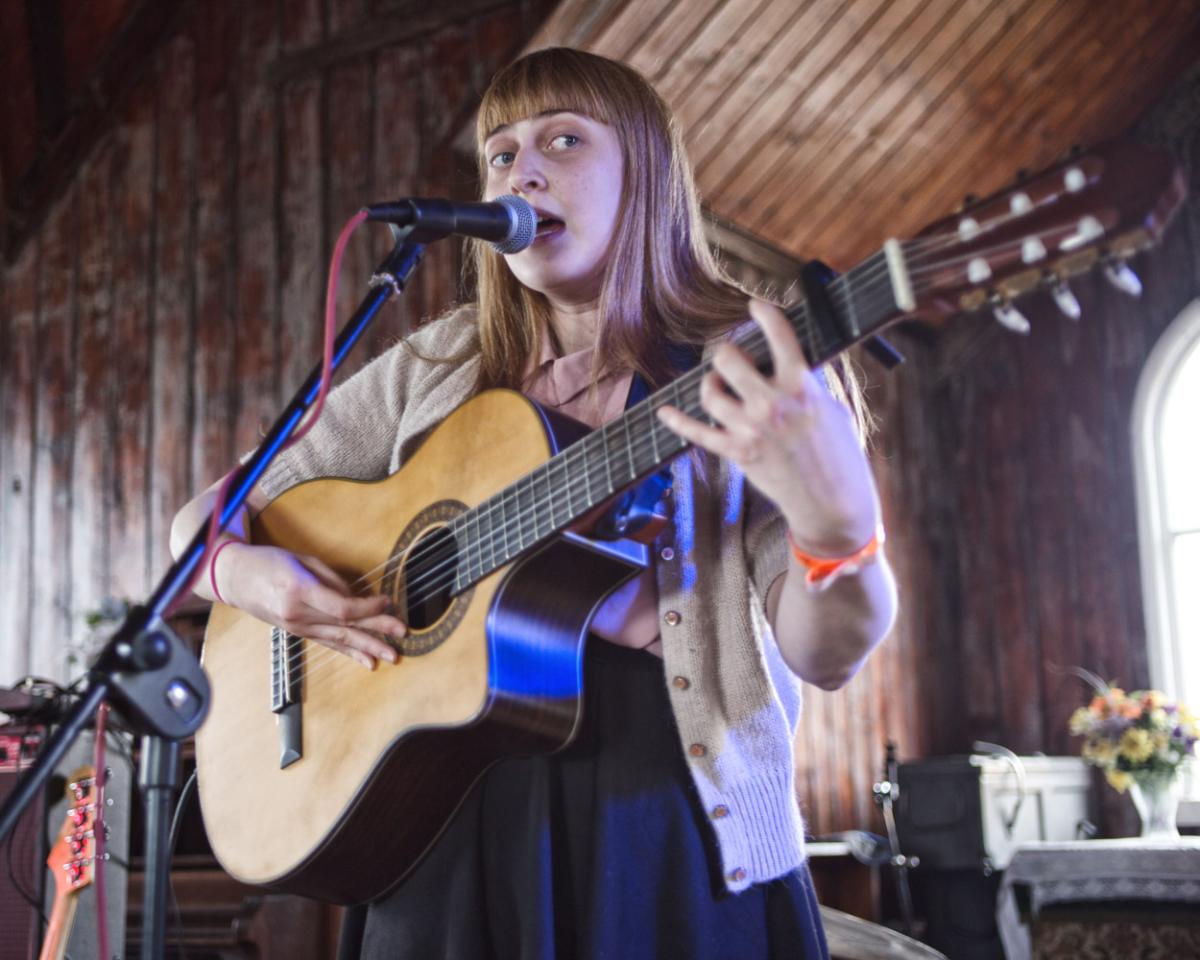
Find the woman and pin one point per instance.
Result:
(669, 827)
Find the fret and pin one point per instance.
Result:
(641, 412)
(607, 457)
(503, 511)
(567, 471)
(624, 421)
(548, 499)
(582, 465)
(527, 508)
(561, 517)
(491, 534)
(654, 424)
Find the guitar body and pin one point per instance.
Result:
(388, 755)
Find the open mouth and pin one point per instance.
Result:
(548, 225)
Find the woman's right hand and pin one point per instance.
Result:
(304, 596)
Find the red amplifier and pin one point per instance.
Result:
(19, 921)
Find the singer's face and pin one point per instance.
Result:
(569, 168)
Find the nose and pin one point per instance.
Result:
(525, 174)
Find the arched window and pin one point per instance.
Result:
(1166, 444)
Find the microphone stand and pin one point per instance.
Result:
(147, 673)
(886, 792)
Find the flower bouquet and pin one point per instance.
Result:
(1140, 741)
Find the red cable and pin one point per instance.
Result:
(98, 824)
(335, 267)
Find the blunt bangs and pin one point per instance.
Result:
(547, 81)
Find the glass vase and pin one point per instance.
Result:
(1156, 799)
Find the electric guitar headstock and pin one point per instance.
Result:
(72, 860)
(1097, 208)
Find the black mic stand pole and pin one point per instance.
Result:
(147, 673)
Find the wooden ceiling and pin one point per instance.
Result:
(826, 126)
(821, 127)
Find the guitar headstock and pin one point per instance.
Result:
(72, 858)
(1097, 208)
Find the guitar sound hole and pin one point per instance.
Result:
(429, 577)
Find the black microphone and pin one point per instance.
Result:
(509, 222)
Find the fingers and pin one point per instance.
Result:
(791, 367)
(738, 447)
(360, 645)
(326, 612)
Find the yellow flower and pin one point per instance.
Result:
(1158, 718)
(1136, 745)
(1118, 779)
(1081, 721)
(1099, 752)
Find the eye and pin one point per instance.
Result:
(501, 159)
(564, 141)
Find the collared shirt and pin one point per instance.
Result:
(629, 615)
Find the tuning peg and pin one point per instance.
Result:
(1065, 298)
(1121, 276)
(1010, 317)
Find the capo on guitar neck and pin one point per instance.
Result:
(814, 278)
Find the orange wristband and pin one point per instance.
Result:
(822, 571)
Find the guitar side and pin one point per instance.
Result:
(388, 755)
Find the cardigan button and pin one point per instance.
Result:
(737, 875)
(672, 618)
(667, 553)
(720, 812)
(681, 683)
(697, 750)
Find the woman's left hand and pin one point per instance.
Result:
(790, 436)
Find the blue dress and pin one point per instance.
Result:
(599, 852)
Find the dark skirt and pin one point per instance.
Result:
(600, 851)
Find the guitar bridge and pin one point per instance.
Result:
(287, 656)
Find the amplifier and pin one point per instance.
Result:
(970, 812)
(964, 816)
(37, 830)
(23, 851)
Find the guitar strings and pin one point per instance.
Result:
(448, 557)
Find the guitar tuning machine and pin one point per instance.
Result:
(1121, 275)
(1064, 297)
(1009, 316)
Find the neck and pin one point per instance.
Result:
(574, 324)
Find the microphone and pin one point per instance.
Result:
(509, 222)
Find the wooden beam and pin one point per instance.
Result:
(750, 249)
(373, 35)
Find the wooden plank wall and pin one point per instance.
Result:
(171, 302)
(1007, 466)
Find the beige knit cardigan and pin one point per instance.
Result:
(735, 701)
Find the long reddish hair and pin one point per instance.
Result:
(662, 284)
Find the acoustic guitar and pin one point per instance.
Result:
(71, 861)
(321, 778)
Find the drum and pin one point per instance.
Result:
(852, 938)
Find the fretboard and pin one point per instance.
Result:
(612, 458)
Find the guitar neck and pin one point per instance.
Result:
(587, 474)
(62, 918)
